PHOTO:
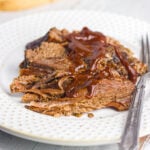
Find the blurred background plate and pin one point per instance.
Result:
(13, 5)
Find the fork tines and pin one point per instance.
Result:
(146, 51)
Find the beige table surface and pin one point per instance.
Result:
(136, 8)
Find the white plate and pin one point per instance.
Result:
(107, 125)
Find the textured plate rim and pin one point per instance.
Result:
(56, 141)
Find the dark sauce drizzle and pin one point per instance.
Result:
(132, 74)
(37, 42)
(86, 48)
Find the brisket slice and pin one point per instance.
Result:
(54, 35)
(36, 80)
(61, 108)
(42, 95)
(53, 63)
(23, 83)
(110, 93)
(48, 56)
(39, 72)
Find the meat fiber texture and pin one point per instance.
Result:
(45, 75)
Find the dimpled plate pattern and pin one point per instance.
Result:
(107, 124)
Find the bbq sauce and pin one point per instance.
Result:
(85, 49)
(131, 71)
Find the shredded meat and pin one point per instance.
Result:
(23, 83)
(73, 73)
(58, 36)
(70, 106)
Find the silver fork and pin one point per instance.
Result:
(129, 139)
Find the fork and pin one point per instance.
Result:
(129, 140)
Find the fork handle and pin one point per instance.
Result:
(130, 136)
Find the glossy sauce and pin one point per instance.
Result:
(85, 49)
(131, 71)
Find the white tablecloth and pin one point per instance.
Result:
(136, 8)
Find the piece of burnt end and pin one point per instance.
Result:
(53, 35)
(23, 64)
(34, 44)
